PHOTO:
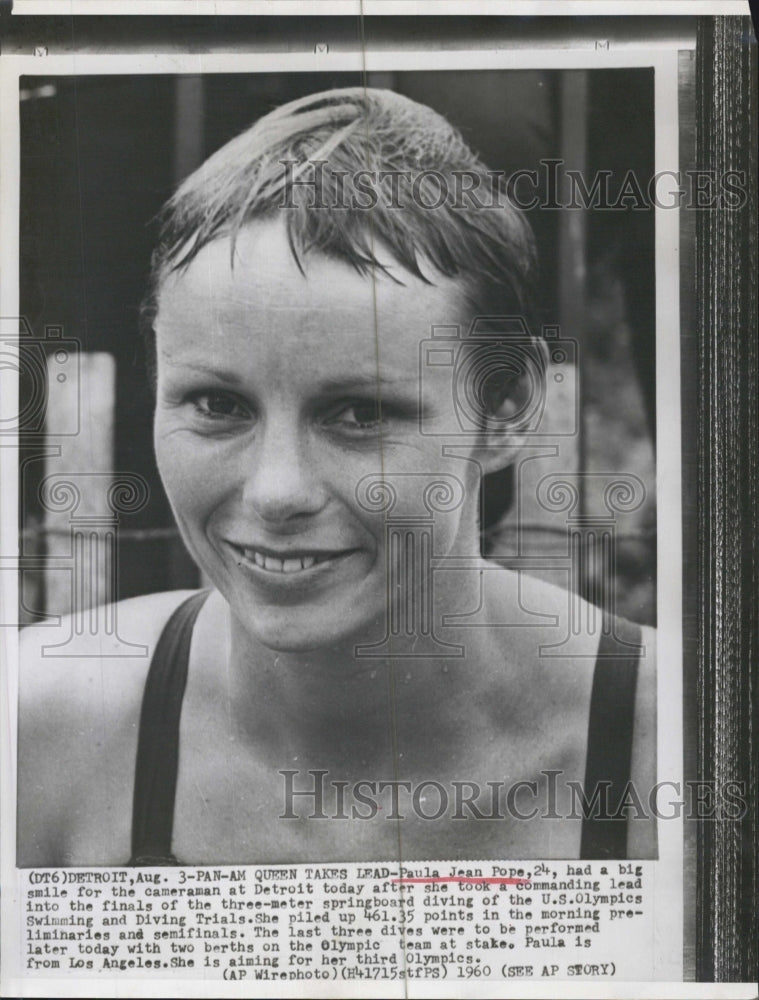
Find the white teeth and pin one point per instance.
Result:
(273, 565)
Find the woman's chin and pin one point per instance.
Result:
(313, 637)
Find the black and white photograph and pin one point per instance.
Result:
(353, 435)
(348, 381)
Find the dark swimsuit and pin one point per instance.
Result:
(610, 732)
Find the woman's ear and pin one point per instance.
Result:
(511, 395)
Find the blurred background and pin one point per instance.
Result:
(100, 155)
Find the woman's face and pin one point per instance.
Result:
(267, 420)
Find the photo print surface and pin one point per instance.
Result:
(347, 465)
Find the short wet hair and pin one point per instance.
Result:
(448, 216)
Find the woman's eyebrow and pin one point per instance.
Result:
(372, 381)
(222, 374)
(333, 384)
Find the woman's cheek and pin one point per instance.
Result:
(188, 471)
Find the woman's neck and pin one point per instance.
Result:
(332, 707)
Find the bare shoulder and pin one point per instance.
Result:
(547, 638)
(562, 628)
(78, 718)
(563, 650)
(48, 672)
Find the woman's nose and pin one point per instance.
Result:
(281, 480)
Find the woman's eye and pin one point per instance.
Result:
(218, 405)
(358, 416)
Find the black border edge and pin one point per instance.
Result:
(728, 500)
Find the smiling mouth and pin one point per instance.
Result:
(292, 563)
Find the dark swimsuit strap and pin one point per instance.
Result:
(155, 781)
(610, 732)
(610, 735)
